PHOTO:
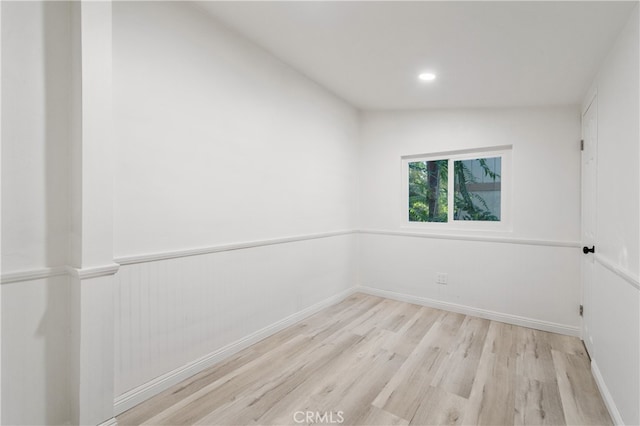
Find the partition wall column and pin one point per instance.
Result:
(92, 267)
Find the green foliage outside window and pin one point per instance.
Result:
(476, 190)
(428, 201)
(474, 205)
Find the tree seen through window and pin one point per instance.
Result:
(476, 190)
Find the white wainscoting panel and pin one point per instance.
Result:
(535, 283)
(171, 313)
(35, 351)
(616, 342)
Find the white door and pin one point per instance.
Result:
(589, 193)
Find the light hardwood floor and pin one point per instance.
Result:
(374, 361)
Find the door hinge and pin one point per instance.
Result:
(581, 144)
(581, 310)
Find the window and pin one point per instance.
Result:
(476, 184)
(428, 189)
(466, 189)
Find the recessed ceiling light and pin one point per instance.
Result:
(427, 76)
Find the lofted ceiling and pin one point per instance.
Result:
(485, 54)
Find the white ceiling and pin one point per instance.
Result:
(486, 54)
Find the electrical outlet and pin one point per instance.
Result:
(442, 278)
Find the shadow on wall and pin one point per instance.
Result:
(54, 327)
(52, 335)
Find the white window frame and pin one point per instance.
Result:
(506, 179)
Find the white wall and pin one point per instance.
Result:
(616, 298)
(0, 221)
(219, 143)
(546, 162)
(35, 130)
(534, 283)
(618, 137)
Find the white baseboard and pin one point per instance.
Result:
(476, 312)
(145, 391)
(111, 422)
(606, 395)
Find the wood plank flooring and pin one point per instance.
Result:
(374, 361)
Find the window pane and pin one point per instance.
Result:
(477, 189)
(428, 191)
